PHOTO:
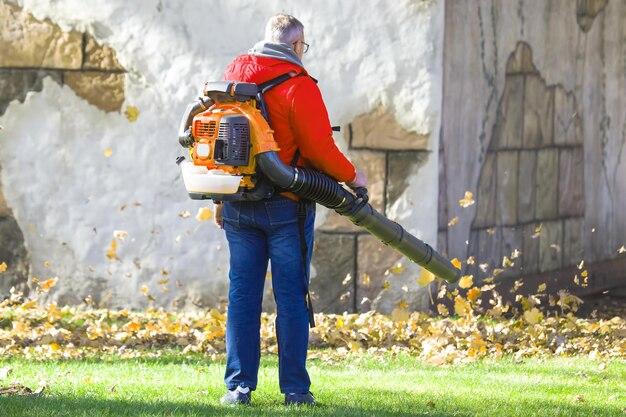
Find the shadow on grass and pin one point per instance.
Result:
(60, 406)
(375, 403)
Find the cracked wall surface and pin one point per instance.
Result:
(32, 50)
(534, 124)
(75, 169)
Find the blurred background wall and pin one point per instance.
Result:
(519, 102)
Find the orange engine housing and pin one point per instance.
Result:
(206, 128)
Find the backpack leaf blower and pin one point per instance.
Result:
(234, 158)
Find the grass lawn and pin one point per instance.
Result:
(401, 386)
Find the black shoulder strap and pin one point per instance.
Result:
(268, 85)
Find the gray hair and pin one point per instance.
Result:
(283, 28)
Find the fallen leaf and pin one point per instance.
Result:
(467, 200)
(622, 249)
(386, 285)
(365, 279)
(516, 253)
(400, 314)
(537, 231)
(184, 214)
(466, 281)
(120, 234)
(461, 306)
(108, 152)
(506, 262)
(204, 214)
(581, 265)
(3, 267)
(347, 279)
(46, 285)
(425, 278)
(541, 287)
(456, 263)
(131, 113)
(471, 260)
(112, 251)
(453, 221)
(442, 309)
(484, 267)
(473, 294)
(396, 269)
(533, 316)
(491, 231)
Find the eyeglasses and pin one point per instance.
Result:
(306, 46)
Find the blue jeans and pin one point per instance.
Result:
(256, 232)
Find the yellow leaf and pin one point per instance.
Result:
(28, 304)
(3, 267)
(537, 231)
(398, 268)
(402, 304)
(54, 346)
(144, 290)
(584, 273)
(425, 278)
(132, 326)
(108, 152)
(131, 113)
(461, 306)
(399, 314)
(365, 280)
(471, 260)
(46, 285)
(386, 285)
(466, 281)
(112, 251)
(443, 310)
(339, 323)
(204, 214)
(453, 221)
(506, 262)
(473, 294)
(533, 316)
(467, 200)
(456, 263)
(354, 346)
(497, 271)
(541, 287)
(516, 253)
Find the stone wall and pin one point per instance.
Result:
(69, 71)
(351, 265)
(32, 50)
(534, 124)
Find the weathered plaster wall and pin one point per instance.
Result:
(534, 122)
(74, 168)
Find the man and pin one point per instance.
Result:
(269, 229)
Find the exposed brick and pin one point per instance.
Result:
(571, 194)
(506, 189)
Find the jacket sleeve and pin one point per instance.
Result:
(313, 133)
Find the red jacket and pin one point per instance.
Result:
(297, 113)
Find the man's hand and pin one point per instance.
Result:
(217, 217)
(359, 181)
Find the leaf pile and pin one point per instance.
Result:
(47, 331)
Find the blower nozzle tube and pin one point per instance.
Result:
(322, 189)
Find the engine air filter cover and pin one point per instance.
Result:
(232, 146)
